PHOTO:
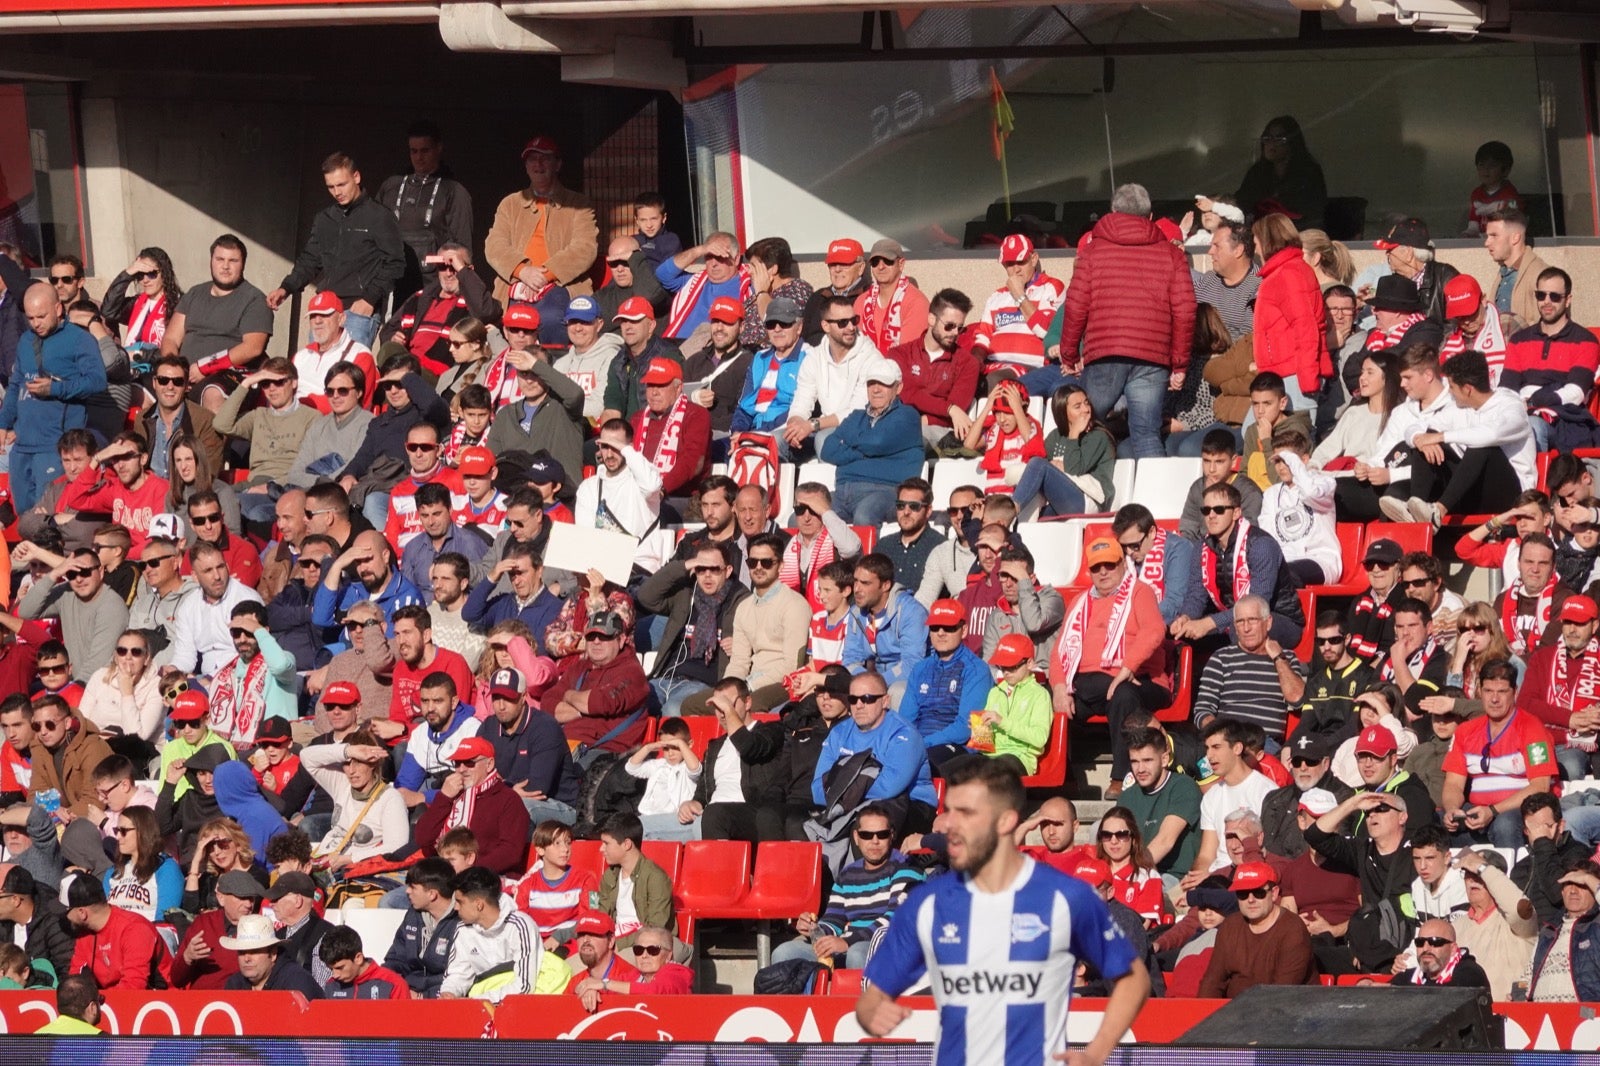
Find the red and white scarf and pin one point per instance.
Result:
(1153, 571)
(1522, 630)
(1241, 566)
(148, 323)
(891, 320)
(1069, 649)
(1415, 662)
(501, 381)
(1575, 684)
(767, 388)
(237, 711)
(1445, 972)
(688, 297)
(461, 810)
(666, 455)
(1489, 340)
(1380, 340)
(800, 573)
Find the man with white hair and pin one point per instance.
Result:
(1410, 255)
(874, 449)
(1130, 305)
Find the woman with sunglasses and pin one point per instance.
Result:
(1074, 475)
(124, 699)
(143, 878)
(221, 846)
(1134, 878)
(468, 342)
(1480, 640)
(141, 300)
(191, 473)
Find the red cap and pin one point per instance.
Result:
(726, 309)
(191, 705)
(1580, 609)
(472, 748)
(521, 316)
(1376, 740)
(634, 309)
(596, 922)
(946, 613)
(1015, 248)
(662, 372)
(1092, 871)
(476, 461)
(1462, 296)
(1169, 229)
(325, 302)
(542, 144)
(1014, 649)
(1252, 875)
(341, 694)
(843, 250)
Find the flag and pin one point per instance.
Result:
(1004, 119)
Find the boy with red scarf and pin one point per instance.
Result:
(474, 796)
(821, 536)
(1010, 437)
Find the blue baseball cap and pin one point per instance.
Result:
(582, 309)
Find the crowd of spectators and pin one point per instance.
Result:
(283, 632)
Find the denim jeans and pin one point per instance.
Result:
(1046, 380)
(261, 506)
(547, 809)
(667, 827)
(1541, 433)
(864, 503)
(1584, 825)
(1062, 496)
(1186, 444)
(31, 472)
(1144, 385)
(375, 509)
(1504, 832)
(670, 692)
(800, 949)
(363, 329)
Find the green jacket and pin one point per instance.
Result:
(652, 893)
(1025, 718)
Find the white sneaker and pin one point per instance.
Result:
(1395, 509)
(1421, 510)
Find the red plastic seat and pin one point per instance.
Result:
(847, 982)
(787, 884)
(1308, 639)
(869, 537)
(1182, 688)
(652, 730)
(586, 855)
(1352, 578)
(938, 790)
(715, 878)
(703, 729)
(667, 854)
(1052, 770)
(1411, 536)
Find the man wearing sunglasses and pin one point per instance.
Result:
(769, 386)
(631, 275)
(66, 749)
(1496, 762)
(1262, 944)
(1546, 360)
(1440, 960)
(1327, 708)
(1239, 560)
(91, 613)
(832, 382)
(940, 371)
(694, 292)
(698, 598)
(161, 593)
(893, 310)
(260, 682)
(1379, 855)
(275, 426)
(945, 687)
(174, 414)
(863, 899)
(599, 696)
(904, 785)
(916, 541)
(406, 399)
(426, 466)
(330, 345)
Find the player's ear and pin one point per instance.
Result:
(1008, 822)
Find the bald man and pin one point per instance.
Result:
(1439, 959)
(631, 275)
(57, 370)
(363, 574)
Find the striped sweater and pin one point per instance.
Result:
(863, 899)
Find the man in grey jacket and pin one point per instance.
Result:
(333, 439)
(92, 615)
(547, 418)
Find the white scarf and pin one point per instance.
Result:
(236, 712)
(1153, 571)
(1524, 635)
(891, 319)
(461, 810)
(1069, 649)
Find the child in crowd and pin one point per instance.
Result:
(669, 781)
(1298, 511)
(1008, 436)
(14, 968)
(554, 893)
(1015, 722)
(825, 645)
(475, 409)
(459, 848)
(656, 241)
(1495, 191)
(354, 975)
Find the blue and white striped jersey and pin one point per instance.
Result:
(1001, 965)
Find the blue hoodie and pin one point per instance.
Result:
(884, 450)
(422, 750)
(941, 693)
(70, 357)
(902, 639)
(240, 799)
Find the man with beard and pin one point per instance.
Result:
(120, 948)
(220, 327)
(1551, 363)
(1328, 708)
(990, 881)
(939, 369)
(715, 374)
(1310, 766)
(1440, 960)
(260, 683)
(1166, 803)
(376, 580)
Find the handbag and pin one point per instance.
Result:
(1379, 930)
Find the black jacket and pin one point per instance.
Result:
(804, 733)
(670, 591)
(1431, 289)
(47, 935)
(356, 251)
(1536, 873)
(301, 948)
(760, 745)
(422, 964)
(386, 434)
(13, 323)
(1280, 815)
(286, 976)
(1467, 974)
(728, 386)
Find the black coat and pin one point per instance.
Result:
(47, 935)
(759, 745)
(670, 591)
(356, 251)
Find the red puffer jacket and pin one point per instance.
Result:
(1291, 327)
(1130, 295)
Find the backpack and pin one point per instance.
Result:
(753, 460)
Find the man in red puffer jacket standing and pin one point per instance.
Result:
(1130, 304)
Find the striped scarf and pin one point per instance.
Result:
(688, 298)
(1070, 649)
(892, 315)
(1241, 566)
(1380, 340)
(461, 810)
(801, 575)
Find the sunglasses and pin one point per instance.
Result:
(1538, 294)
(802, 511)
(651, 950)
(457, 344)
(48, 725)
(910, 505)
(1251, 893)
(857, 701)
(123, 830)
(1102, 568)
(394, 383)
(593, 638)
(340, 706)
(1328, 641)
(144, 275)
(166, 380)
(273, 383)
(137, 653)
(236, 632)
(368, 624)
(312, 514)
(761, 562)
(956, 513)
(1375, 564)
(944, 629)
(64, 279)
(73, 575)
(779, 325)
(57, 668)
(144, 564)
(341, 390)
(1131, 545)
(1115, 834)
(1216, 509)
(881, 261)
(843, 322)
(418, 447)
(697, 571)
(1417, 582)
(875, 834)
(272, 743)
(1476, 627)
(615, 264)
(1304, 761)
(206, 519)
(1431, 941)
(310, 564)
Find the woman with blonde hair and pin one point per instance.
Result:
(1479, 640)
(124, 699)
(1329, 259)
(222, 846)
(509, 647)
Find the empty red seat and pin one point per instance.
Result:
(1308, 638)
(787, 884)
(846, 982)
(1411, 536)
(703, 729)
(1352, 579)
(586, 855)
(715, 878)
(1182, 688)
(667, 854)
(1052, 769)
(869, 537)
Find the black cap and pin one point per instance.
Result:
(293, 883)
(1310, 746)
(274, 728)
(1383, 551)
(1407, 233)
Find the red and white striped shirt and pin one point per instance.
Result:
(1010, 336)
(554, 904)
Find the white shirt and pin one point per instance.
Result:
(837, 388)
(1405, 422)
(627, 914)
(1501, 422)
(1300, 518)
(668, 786)
(311, 366)
(632, 499)
(728, 783)
(201, 629)
(1222, 799)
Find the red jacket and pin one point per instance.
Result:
(1291, 326)
(933, 386)
(499, 821)
(694, 442)
(127, 953)
(1131, 295)
(616, 690)
(213, 970)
